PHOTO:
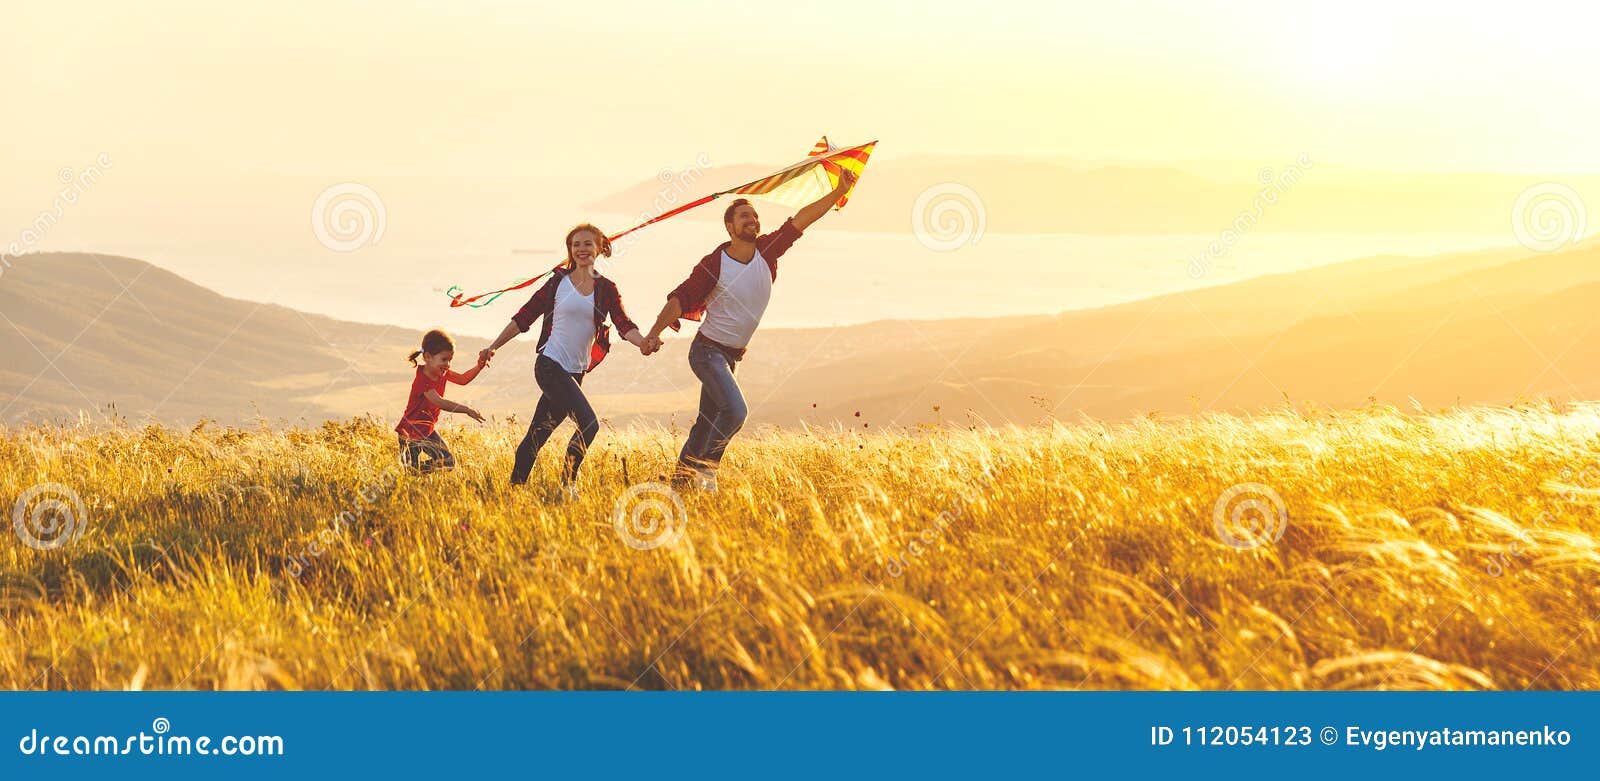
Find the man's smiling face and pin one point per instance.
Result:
(744, 223)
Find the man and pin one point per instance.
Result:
(730, 289)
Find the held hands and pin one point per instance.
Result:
(484, 356)
(649, 345)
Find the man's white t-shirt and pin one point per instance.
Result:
(571, 328)
(734, 309)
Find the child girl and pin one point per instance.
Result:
(575, 304)
(417, 437)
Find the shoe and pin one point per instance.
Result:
(708, 482)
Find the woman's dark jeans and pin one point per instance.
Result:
(722, 408)
(563, 398)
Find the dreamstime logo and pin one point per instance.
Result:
(339, 527)
(1501, 562)
(159, 741)
(924, 541)
(1548, 216)
(1274, 184)
(649, 516)
(48, 516)
(948, 217)
(349, 216)
(1575, 486)
(1249, 515)
(1576, 483)
(675, 187)
(73, 185)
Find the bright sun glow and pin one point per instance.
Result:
(1347, 50)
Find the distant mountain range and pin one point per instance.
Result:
(98, 335)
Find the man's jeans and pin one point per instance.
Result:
(722, 407)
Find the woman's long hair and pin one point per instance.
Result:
(605, 243)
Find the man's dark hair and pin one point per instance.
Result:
(727, 215)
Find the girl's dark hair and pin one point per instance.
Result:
(605, 243)
(433, 343)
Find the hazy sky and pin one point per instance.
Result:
(610, 90)
(490, 125)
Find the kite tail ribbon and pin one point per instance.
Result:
(484, 299)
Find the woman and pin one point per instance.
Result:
(574, 339)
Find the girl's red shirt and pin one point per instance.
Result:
(421, 415)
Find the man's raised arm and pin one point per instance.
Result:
(814, 211)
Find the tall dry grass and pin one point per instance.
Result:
(1452, 550)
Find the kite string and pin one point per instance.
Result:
(827, 162)
(455, 295)
(681, 209)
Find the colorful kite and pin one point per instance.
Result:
(795, 186)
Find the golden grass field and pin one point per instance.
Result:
(1447, 550)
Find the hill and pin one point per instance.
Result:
(95, 332)
(90, 331)
(1489, 327)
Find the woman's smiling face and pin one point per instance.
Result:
(584, 248)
